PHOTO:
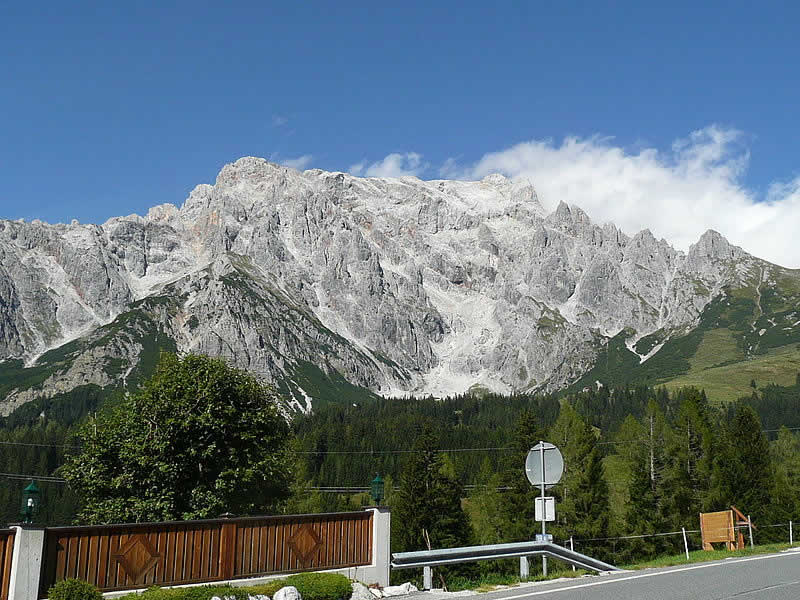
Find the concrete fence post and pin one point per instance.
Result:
(26, 563)
(381, 544)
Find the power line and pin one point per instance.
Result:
(440, 450)
(364, 490)
(483, 449)
(390, 451)
(24, 477)
(33, 445)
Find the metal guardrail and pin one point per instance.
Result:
(449, 556)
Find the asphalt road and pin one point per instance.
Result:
(764, 577)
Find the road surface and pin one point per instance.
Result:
(763, 577)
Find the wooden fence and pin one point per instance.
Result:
(6, 553)
(119, 557)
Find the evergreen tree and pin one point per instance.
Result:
(786, 490)
(645, 511)
(517, 503)
(427, 509)
(743, 470)
(690, 461)
(583, 510)
(485, 507)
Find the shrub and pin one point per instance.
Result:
(312, 586)
(74, 589)
(203, 592)
(207, 592)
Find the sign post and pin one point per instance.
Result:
(544, 467)
(544, 528)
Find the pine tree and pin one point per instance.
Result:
(690, 462)
(743, 471)
(583, 510)
(645, 512)
(427, 509)
(485, 507)
(517, 503)
(786, 489)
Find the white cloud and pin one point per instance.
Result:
(279, 120)
(299, 163)
(357, 169)
(678, 194)
(393, 165)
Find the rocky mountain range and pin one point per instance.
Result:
(323, 283)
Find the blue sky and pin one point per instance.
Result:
(110, 108)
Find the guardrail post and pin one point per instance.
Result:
(524, 567)
(427, 578)
(26, 563)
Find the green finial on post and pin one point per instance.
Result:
(376, 489)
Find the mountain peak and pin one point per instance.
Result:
(397, 284)
(713, 245)
(495, 179)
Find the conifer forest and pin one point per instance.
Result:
(639, 461)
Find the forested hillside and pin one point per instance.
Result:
(639, 460)
(652, 458)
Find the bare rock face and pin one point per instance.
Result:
(397, 285)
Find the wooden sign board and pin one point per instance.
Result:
(720, 527)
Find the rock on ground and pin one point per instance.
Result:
(288, 593)
(361, 592)
(400, 590)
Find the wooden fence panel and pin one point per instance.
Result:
(302, 543)
(120, 557)
(6, 553)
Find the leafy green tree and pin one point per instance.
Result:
(196, 440)
(427, 506)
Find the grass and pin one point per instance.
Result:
(698, 556)
(717, 346)
(729, 382)
(492, 581)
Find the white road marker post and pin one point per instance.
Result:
(750, 529)
(685, 543)
(791, 536)
(572, 547)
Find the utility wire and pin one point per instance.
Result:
(390, 451)
(491, 448)
(33, 445)
(22, 476)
